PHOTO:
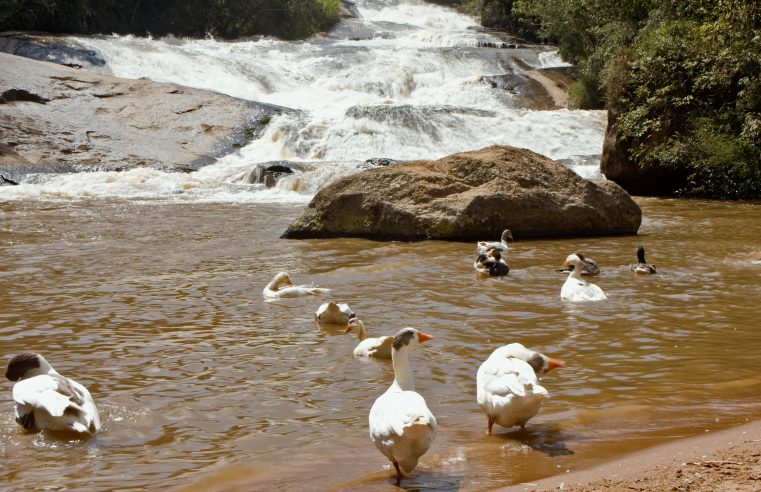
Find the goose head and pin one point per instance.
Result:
(572, 261)
(27, 365)
(506, 234)
(538, 361)
(641, 254)
(408, 338)
(356, 324)
(281, 279)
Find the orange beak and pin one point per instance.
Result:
(422, 337)
(554, 364)
(288, 281)
(566, 264)
(348, 329)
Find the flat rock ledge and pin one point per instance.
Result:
(469, 196)
(55, 118)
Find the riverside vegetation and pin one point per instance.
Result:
(289, 19)
(681, 78)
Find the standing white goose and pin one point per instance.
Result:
(334, 313)
(482, 247)
(642, 266)
(46, 400)
(401, 426)
(577, 290)
(507, 386)
(379, 347)
(281, 286)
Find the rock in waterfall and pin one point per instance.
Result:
(467, 196)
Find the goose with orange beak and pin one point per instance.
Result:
(576, 289)
(508, 390)
(401, 425)
(281, 286)
(378, 347)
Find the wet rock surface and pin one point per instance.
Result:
(468, 196)
(55, 118)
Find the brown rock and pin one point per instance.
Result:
(472, 195)
(616, 166)
(57, 118)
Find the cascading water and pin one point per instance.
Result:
(406, 80)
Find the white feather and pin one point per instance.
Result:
(507, 389)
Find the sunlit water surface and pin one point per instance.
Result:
(157, 308)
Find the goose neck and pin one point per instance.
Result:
(403, 378)
(361, 331)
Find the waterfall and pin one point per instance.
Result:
(406, 80)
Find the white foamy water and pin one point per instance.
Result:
(406, 81)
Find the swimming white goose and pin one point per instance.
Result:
(642, 266)
(577, 290)
(507, 386)
(46, 400)
(491, 263)
(589, 266)
(334, 313)
(281, 286)
(482, 247)
(379, 347)
(401, 426)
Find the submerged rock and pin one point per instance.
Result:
(268, 173)
(466, 196)
(59, 118)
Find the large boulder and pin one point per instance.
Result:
(472, 195)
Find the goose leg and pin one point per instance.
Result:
(398, 474)
(490, 425)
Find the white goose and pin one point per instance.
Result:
(577, 290)
(281, 286)
(507, 386)
(379, 347)
(401, 426)
(334, 314)
(642, 266)
(46, 400)
(482, 247)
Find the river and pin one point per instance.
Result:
(146, 287)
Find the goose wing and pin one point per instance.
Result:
(346, 310)
(53, 393)
(503, 376)
(393, 412)
(502, 379)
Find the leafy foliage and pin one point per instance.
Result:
(682, 76)
(289, 19)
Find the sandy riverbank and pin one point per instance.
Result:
(715, 461)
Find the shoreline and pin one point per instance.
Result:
(729, 458)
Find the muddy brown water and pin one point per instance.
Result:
(157, 308)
